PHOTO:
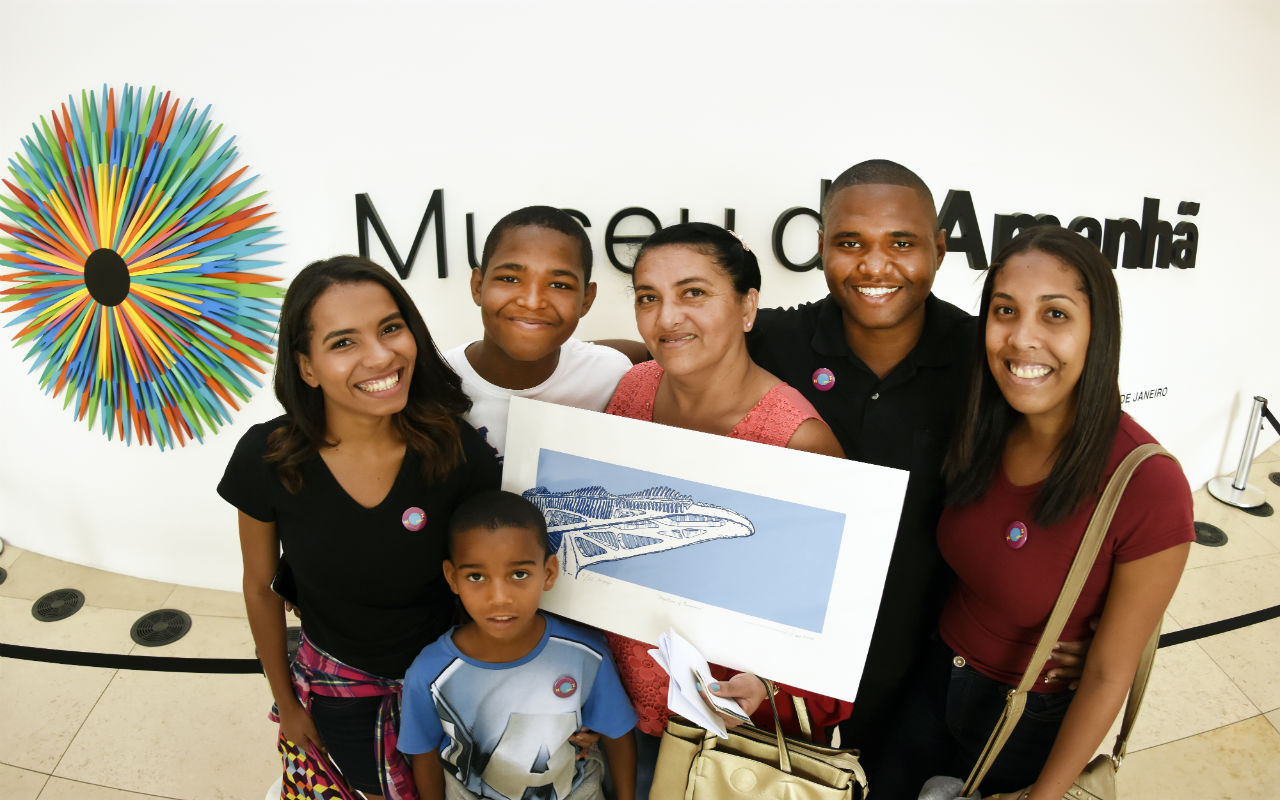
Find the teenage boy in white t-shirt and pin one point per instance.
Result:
(533, 285)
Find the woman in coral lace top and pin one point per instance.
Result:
(696, 292)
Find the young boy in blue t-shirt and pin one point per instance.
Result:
(488, 708)
(532, 287)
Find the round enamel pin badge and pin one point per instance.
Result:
(565, 686)
(1016, 537)
(414, 518)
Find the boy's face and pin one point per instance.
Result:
(500, 576)
(880, 249)
(532, 294)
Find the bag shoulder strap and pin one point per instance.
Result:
(1079, 572)
(1136, 693)
(1085, 556)
(802, 717)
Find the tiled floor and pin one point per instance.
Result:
(1210, 726)
(100, 734)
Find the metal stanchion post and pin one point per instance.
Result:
(1235, 490)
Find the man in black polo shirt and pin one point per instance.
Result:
(884, 361)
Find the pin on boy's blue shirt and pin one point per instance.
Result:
(505, 727)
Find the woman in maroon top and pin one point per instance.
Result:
(696, 292)
(1041, 432)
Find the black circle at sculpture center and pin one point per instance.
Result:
(1275, 478)
(58, 604)
(106, 276)
(161, 627)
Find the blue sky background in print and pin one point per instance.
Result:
(781, 573)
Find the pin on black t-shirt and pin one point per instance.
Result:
(369, 581)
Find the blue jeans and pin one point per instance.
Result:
(347, 726)
(946, 722)
(974, 705)
(646, 760)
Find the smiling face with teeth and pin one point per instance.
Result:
(361, 352)
(880, 247)
(1037, 336)
(531, 295)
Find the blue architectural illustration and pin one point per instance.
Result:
(590, 525)
(756, 555)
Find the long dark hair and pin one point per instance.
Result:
(427, 423)
(721, 246)
(986, 417)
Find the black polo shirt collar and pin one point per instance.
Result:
(934, 349)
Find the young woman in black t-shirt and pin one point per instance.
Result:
(354, 484)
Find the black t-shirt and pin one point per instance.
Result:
(371, 590)
(905, 421)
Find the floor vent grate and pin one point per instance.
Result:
(1264, 510)
(58, 604)
(1210, 535)
(162, 627)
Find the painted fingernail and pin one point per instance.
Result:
(715, 687)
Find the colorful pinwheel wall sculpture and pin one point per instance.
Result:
(137, 283)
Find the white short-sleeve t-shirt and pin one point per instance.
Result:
(585, 377)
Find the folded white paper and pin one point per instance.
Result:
(689, 694)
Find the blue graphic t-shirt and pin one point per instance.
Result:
(505, 728)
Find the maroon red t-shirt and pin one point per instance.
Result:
(1003, 596)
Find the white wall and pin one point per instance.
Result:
(1063, 108)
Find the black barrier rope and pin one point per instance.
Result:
(250, 666)
(223, 666)
(1266, 412)
(1221, 626)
